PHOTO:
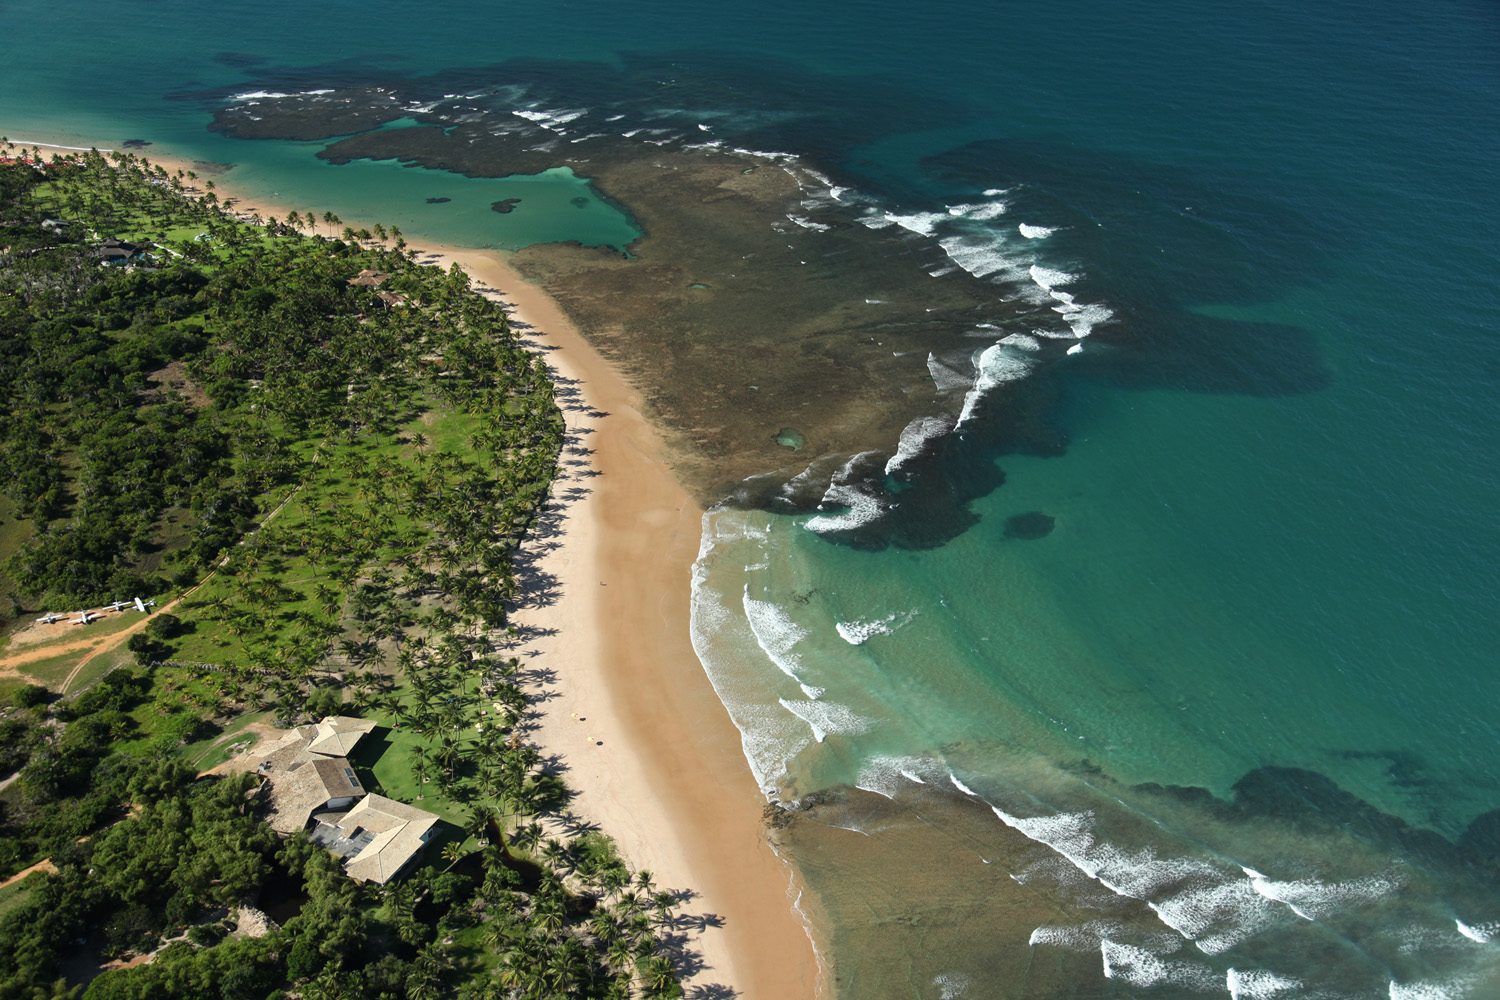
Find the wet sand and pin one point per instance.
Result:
(629, 711)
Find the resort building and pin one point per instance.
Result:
(379, 837)
(312, 786)
(309, 782)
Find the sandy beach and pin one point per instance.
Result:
(627, 709)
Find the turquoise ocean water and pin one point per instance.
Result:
(1269, 228)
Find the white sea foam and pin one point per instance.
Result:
(860, 507)
(1483, 933)
(1089, 936)
(1023, 341)
(259, 95)
(1431, 989)
(949, 377)
(1036, 232)
(825, 717)
(1083, 318)
(1258, 984)
(1208, 905)
(1084, 937)
(552, 121)
(983, 257)
(982, 211)
(952, 985)
(915, 436)
(885, 775)
(1139, 967)
(1050, 278)
(775, 633)
(724, 642)
(922, 223)
(806, 223)
(961, 786)
(1313, 900)
(857, 633)
(997, 364)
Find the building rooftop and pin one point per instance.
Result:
(337, 735)
(390, 832)
(308, 786)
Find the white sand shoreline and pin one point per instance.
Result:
(649, 748)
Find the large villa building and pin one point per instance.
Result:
(310, 785)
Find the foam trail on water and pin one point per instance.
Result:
(1139, 967)
(1090, 936)
(775, 633)
(825, 717)
(1036, 232)
(998, 364)
(1202, 902)
(1482, 933)
(860, 507)
(949, 377)
(914, 438)
(951, 985)
(1429, 989)
(1312, 900)
(1258, 984)
(1050, 278)
(885, 775)
(857, 633)
(723, 638)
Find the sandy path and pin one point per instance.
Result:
(630, 714)
(44, 865)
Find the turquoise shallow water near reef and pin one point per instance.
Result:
(1264, 535)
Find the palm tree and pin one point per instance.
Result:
(658, 975)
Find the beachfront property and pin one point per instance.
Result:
(308, 771)
(309, 784)
(378, 838)
(369, 279)
(113, 251)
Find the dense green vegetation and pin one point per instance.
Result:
(342, 476)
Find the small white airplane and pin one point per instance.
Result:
(142, 606)
(117, 605)
(84, 617)
(49, 618)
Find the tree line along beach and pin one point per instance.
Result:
(677, 813)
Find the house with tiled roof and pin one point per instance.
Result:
(379, 837)
(308, 771)
(313, 786)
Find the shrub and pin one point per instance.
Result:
(30, 696)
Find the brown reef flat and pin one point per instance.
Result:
(751, 303)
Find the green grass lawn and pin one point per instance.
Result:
(215, 750)
(13, 896)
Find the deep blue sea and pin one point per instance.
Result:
(1263, 561)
